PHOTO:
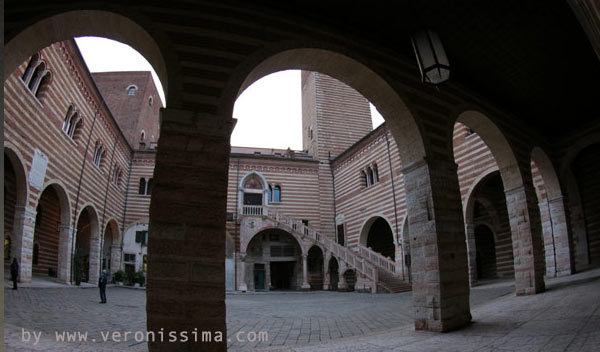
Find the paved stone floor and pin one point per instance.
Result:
(565, 318)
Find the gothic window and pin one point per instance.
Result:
(71, 122)
(116, 175)
(36, 76)
(370, 175)
(98, 154)
(142, 135)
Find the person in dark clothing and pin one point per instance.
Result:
(14, 272)
(102, 285)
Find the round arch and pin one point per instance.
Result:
(244, 245)
(86, 249)
(351, 71)
(16, 160)
(64, 201)
(499, 146)
(548, 173)
(469, 201)
(100, 23)
(366, 225)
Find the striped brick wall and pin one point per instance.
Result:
(587, 170)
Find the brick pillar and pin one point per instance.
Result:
(64, 254)
(22, 247)
(115, 258)
(471, 253)
(95, 255)
(525, 226)
(562, 239)
(437, 240)
(186, 245)
(548, 236)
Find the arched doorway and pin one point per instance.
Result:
(273, 261)
(315, 268)
(377, 235)
(111, 253)
(350, 279)
(47, 234)
(86, 255)
(486, 252)
(334, 275)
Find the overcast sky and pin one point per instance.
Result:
(269, 112)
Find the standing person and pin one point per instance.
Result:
(14, 272)
(102, 285)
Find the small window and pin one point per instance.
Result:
(340, 234)
(142, 135)
(142, 187)
(71, 122)
(150, 100)
(149, 187)
(36, 76)
(277, 194)
(129, 257)
(131, 90)
(116, 175)
(370, 175)
(310, 133)
(98, 154)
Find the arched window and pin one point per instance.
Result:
(36, 252)
(277, 194)
(33, 62)
(150, 100)
(270, 193)
(71, 122)
(375, 174)
(142, 187)
(369, 176)
(43, 85)
(98, 154)
(142, 135)
(364, 180)
(149, 187)
(131, 90)
(116, 175)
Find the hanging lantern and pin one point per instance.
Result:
(431, 57)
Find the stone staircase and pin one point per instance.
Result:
(389, 281)
(365, 271)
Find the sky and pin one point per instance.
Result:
(269, 112)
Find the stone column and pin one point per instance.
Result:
(342, 286)
(548, 243)
(305, 285)
(95, 258)
(440, 277)
(526, 229)
(22, 241)
(186, 248)
(115, 258)
(326, 274)
(471, 253)
(242, 285)
(65, 247)
(562, 238)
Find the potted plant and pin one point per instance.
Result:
(119, 276)
(139, 278)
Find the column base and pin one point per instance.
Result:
(243, 287)
(305, 287)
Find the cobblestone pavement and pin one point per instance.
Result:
(565, 317)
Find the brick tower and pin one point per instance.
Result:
(334, 117)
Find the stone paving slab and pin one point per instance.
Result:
(565, 318)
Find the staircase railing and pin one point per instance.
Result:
(384, 263)
(352, 259)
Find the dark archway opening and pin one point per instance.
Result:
(334, 275)
(315, 268)
(82, 248)
(486, 252)
(47, 234)
(381, 239)
(350, 278)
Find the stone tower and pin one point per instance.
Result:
(334, 117)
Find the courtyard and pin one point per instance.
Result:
(564, 318)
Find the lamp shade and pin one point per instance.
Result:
(431, 57)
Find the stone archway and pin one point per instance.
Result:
(86, 254)
(558, 243)
(315, 268)
(520, 197)
(111, 248)
(486, 252)
(334, 273)
(377, 234)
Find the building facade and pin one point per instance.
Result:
(332, 216)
